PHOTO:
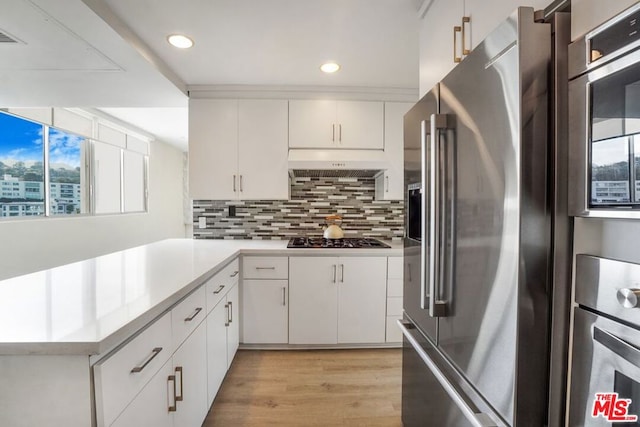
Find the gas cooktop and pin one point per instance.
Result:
(348, 243)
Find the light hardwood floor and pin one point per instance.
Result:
(310, 388)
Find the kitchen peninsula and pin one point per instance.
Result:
(92, 341)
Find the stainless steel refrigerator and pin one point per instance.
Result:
(479, 262)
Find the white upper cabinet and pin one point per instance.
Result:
(451, 29)
(588, 14)
(213, 149)
(390, 183)
(436, 41)
(238, 149)
(107, 182)
(336, 124)
(262, 167)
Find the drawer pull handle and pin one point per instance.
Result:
(217, 291)
(230, 311)
(235, 273)
(179, 398)
(154, 353)
(172, 408)
(227, 322)
(265, 268)
(193, 316)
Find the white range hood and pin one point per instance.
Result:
(313, 162)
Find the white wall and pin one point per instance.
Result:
(36, 244)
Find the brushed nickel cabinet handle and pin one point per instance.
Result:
(181, 397)
(172, 378)
(241, 190)
(193, 316)
(235, 273)
(340, 132)
(465, 21)
(230, 311)
(284, 296)
(227, 322)
(409, 271)
(265, 268)
(457, 29)
(154, 353)
(335, 268)
(333, 132)
(220, 288)
(341, 273)
(387, 182)
(234, 183)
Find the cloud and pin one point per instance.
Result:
(64, 148)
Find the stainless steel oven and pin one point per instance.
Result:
(604, 119)
(605, 374)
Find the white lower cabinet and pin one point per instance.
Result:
(190, 370)
(233, 325)
(265, 316)
(151, 407)
(169, 374)
(223, 338)
(337, 300)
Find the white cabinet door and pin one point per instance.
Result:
(190, 369)
(216, 349)
(313, 312)
(263, 149)
(362, 298)
(213, 149)
(233, 324)
(360, 124)
(312, 124)
(393, 177)
(265, 312)
(151, 406)
(436, 41)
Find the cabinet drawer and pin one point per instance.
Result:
(187, 315)
(394, 287)
(394, 306)
(395, 267)
(218, 286)
(265, 267)
(121, 376)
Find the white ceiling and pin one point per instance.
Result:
(113, 54)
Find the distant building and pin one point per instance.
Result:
(26, 198)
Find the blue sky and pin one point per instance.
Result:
(22, 140)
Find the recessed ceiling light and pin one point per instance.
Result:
(330, 67)
(180, 41)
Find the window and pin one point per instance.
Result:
(47, 171)
(67, 175)
(21, 166)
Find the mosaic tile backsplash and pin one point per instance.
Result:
(311, 200)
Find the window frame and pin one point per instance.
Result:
(88, 190)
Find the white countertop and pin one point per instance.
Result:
(88, 307)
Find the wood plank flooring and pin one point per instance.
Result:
(310, 388)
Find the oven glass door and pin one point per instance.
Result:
(615, 138)
(606, 360)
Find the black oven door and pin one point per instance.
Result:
(605, 373)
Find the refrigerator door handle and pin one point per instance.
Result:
(478, 419)
(437, 307)
(425, 264)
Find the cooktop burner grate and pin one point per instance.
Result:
(348, 243)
